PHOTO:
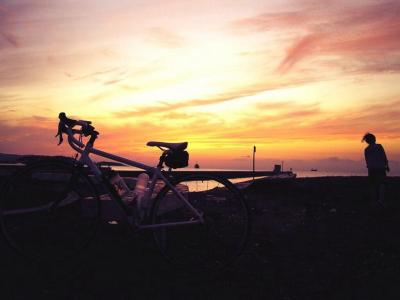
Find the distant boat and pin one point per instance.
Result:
(196, 166)
(314, 170)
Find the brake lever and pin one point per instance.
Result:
(60, 140)
(59, 134)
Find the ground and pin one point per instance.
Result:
(311, 238)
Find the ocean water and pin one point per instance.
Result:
(331, 173)
(327, 173)
(300, 173)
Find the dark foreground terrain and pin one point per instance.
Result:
(313, 238)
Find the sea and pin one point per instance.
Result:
(303, 174)
(300, 174)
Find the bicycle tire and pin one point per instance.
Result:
(207, 247)
(49, 211)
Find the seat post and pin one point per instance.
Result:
(162, 159)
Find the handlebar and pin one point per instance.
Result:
(66, 126)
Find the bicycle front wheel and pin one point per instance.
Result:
(208, 246)
(49, 211)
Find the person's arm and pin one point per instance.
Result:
(386, 160)
(366, 157)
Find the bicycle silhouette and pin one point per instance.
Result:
(50, 209)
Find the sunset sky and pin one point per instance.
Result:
(301, 80)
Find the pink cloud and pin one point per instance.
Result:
(298, 51)
(269, 21)
(10, 39)
(11, 14)
(356, 33)
(5, 34)
(165, 37)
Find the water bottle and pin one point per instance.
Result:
(140, 191)
(119, 185)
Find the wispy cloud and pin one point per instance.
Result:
(298, 51)
(42, 119)
(166, 106)
(270, 21)
(12, 12)
(233, 95)
(358, 120)
(164, 37)
(10, 38)
(274, 105)
(112, 81)
(98, 74)
(11, 98)
(357, 33)
(34, 135)
(6, 37)
(310, 122)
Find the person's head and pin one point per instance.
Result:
(369, 138)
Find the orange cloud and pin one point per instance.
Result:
(214, 99)
(295, 131)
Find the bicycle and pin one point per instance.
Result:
(51, 209)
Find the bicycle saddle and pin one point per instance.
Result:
(172, 146)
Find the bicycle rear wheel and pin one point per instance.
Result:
(209, 246)
(49, 211)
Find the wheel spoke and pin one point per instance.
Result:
(216, 242)
(44, 211)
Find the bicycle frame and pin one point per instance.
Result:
(86, 150)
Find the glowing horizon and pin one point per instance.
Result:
(297, 79)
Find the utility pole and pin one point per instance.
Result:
(254, 161)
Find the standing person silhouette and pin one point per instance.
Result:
(377, 164)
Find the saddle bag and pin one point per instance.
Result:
(177, 159)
